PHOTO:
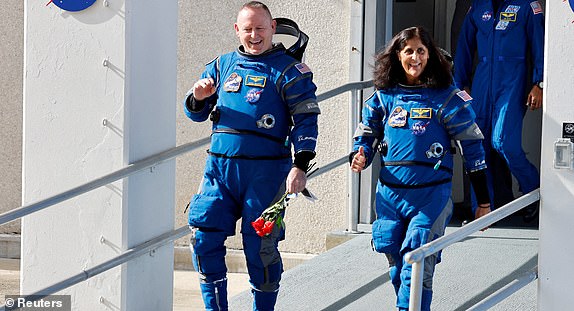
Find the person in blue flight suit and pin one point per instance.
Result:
(411, 120)
(262, 103)
(503, 33)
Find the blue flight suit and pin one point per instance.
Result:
(264, 104)
(502, 41)
(413, 127)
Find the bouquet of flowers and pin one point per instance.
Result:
(273, 214)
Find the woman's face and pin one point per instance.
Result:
(414, 57)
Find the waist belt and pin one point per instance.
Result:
(417, 186)
(245, 157)
(251, 132)
(421, 163)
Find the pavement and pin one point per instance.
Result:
(352, 277)
(186, 294)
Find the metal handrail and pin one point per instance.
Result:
(417, 256)
(344, 88)
(131, 169)
(506, 291)
(102, 181)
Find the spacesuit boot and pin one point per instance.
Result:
(264, 301)
(214, 295)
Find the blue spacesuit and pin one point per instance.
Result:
(412, 127)
(502, 39)
(264, 104)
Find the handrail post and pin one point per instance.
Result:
(354, 178)
(415, 299)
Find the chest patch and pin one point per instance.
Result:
(398, 117)
(507, 17)
(253, 95)
(419, 128)
(257, 81)
(421, 113)
(233, 83)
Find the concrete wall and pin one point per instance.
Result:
(11, 60)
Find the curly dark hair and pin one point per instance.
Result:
(388, 71)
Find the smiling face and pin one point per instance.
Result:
(255, 29)
(413, 58)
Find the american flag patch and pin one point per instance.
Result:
(303, 68)
(536, 7)
(464, 95)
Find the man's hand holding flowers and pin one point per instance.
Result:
(274, 214)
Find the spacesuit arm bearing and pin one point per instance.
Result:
(194, 105)
(198, 110)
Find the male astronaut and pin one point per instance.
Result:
(262, 102)
(503, 33)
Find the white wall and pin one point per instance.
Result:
(557, 211)
(68, 92)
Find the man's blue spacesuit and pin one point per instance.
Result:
(263, 105)
(502, 40)
(412, 127)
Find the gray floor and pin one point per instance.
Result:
(353, 277)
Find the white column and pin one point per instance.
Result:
(149, 197)
(114, 61)
(556, 253)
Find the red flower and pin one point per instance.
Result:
(268, 227)
(272, 215)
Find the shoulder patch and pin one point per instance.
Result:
(464, 95)
(536, 7)
(303, 68)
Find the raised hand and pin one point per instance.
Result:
(203, 88)
(359, 161)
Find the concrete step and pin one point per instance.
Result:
(352, 276)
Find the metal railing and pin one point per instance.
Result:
(417, 256)
(148, 162)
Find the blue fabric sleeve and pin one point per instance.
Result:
(465, 50)
(371, 129)
(298, 92)
(535, 33)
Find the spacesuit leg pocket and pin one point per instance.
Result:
(387, 236)
(207, 211)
